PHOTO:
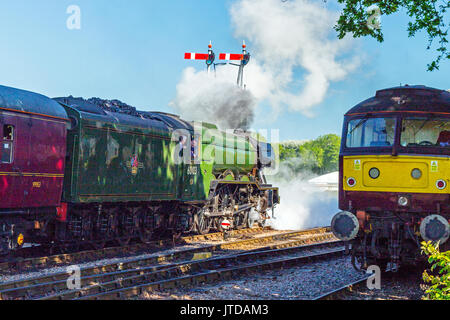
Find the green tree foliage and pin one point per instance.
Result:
(426, 15)
(439, 282)
(319, 156)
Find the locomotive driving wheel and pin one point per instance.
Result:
(218, 224)
(242, 220)
(203, 223)
(252, 217)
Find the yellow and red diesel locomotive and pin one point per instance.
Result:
(394, 174)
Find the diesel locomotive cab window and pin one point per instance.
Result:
(371, 132)
(7, 144)
(425, 132)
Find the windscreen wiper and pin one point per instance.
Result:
(424, 123)
(360, 123)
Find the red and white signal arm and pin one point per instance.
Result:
(245, 58)
(225, 224)
(209, 57)
(231, 56)
(196, 56)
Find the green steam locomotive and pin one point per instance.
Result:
(134, 174)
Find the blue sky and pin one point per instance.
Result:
(133, 51)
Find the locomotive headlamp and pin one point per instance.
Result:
(351, 182)
(416, 173)
(403, 201)
(345, 226)
(435, 228)
(441, 184)
(374, 173)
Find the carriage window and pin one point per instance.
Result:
(425, 132)
(7, 144)
(371, 132)
(8, 132)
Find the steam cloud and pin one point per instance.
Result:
(204, 97)
(302, 205)
(286, 38)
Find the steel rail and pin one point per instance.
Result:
(336, 293)
(41, 262)
(353, 286)
(202, 271)
(23, 288)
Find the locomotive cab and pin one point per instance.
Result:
(394, 174)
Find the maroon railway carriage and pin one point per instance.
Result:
(33, 148)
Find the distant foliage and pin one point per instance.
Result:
(430, 16)
(440, 265)
(319, 156)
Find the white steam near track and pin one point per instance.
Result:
(302, 204)
(285, 38)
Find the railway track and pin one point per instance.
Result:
(10, 267)
(216, 261)
(342, 292)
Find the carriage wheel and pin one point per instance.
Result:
(145, 235)
(72, 246)
(97, 244)
(123, 241)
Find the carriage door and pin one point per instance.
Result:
(11, 195)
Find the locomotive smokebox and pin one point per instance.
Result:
(435, 228)
(345, 226)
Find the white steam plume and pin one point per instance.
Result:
(295, 57)
(302, 205)
(291, 35)
(207, 98)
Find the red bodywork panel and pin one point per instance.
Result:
(61, 212)
(35, 176)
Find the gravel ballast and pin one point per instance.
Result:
(298, 283)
